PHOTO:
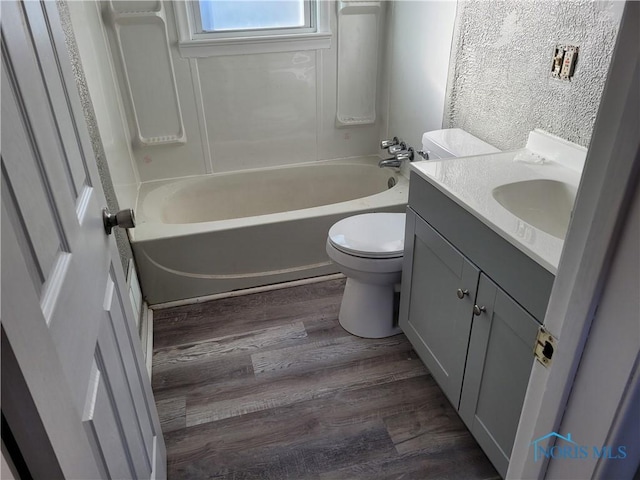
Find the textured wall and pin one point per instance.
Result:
(500, 84)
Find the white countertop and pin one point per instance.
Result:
(469, 182)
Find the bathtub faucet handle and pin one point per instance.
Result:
(397, 159)
(385, 144)
(395, 149)
(405, 155)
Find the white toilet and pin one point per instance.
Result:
(369, 249)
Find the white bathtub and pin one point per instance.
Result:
(217, 233)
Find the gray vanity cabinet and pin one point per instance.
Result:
(434, 319)
(499, 361)
(482, 360)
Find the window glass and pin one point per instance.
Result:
(222, 15)
(209, 28)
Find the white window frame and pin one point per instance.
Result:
(192, 42)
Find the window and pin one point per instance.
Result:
(228, 16)
(225, 27)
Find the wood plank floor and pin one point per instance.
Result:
(269, 386)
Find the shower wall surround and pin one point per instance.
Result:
(416, 64)
(244, 111)
(500, 85)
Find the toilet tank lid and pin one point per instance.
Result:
(455, 142)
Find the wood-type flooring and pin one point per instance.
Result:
(269, 386)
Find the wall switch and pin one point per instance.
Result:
(564, 61)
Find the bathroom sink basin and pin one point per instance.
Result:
(544, 204)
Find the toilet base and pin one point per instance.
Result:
(367, 310)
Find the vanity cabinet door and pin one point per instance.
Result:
(433, 317)
(499, 363)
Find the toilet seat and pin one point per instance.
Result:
(370, 235)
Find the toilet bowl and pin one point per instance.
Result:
(368, 249)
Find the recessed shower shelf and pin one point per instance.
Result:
(357, 62)
(141, 39)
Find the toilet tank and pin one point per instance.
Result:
(454, 142)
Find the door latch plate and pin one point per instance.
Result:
(545, 347)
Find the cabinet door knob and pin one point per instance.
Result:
(478, 310)
(461, 293)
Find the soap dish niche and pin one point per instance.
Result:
(161, 140)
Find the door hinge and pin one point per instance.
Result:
(545, 347)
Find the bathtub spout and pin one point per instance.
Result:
(390, 162)
(397, 159)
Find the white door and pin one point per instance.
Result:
(75, 392)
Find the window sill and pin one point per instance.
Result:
(255, 44)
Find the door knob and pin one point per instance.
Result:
(123, 219)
